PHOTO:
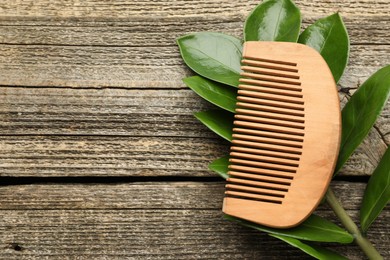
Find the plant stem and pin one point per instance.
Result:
(348, 223)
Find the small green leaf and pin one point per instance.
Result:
(219, 121)
(215, 56)
(361, 111)
(315, 251)
(221, 95)
(377, 193)
(314, 228)
(220, 166)
(330, 38)
(273, 20)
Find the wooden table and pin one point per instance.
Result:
(101, 157)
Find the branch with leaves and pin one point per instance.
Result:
(216, 58)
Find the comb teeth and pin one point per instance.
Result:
(269, 131)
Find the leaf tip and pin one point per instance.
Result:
(187, 79)
(196, 114)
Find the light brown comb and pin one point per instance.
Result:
(286, 136)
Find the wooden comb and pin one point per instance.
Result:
(286, 137)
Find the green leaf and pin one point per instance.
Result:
(330, 38)
(215, 56)
(220, 166)
(219, 121)
(314, 228)
(216, 93)
(361, 111)
(377, 193)
(273, 20)
(315, 251)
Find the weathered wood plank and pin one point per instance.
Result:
(141, 195)
(32, 111)
(134, 234)
(136, 156)
(133, 67)
(160, 8)
(67, 132)
(151, 32)
(146, 32)
(159, 221)
(107, 156)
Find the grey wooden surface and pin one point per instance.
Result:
(100, 155)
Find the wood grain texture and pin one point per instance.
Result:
(107, 156)
(114, 112)
(152, 32)
(143, 221)
(67, 132)
(132, 45)
(133, 67)
(139, 195)
(161, 8)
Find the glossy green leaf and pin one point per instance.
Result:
(361, 111)
(314, 228)
(273, 20)
(220, 166)
(219, 121)
(315, 251)
(221, 95)
(377, 193)
(215, 56)
(330, 38)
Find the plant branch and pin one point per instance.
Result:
(351, 227)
